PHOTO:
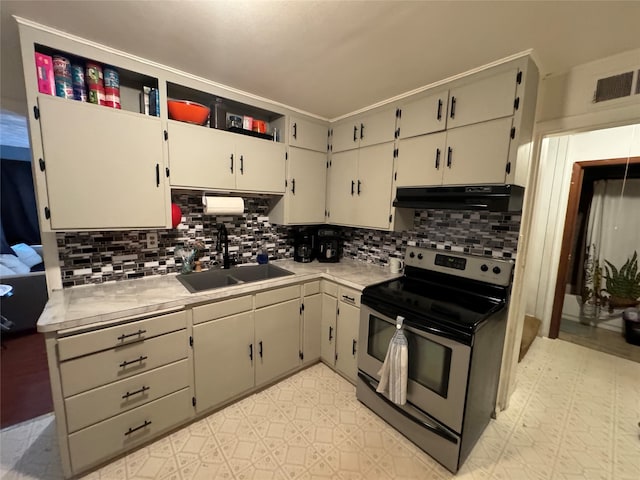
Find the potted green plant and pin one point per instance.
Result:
(623, 285)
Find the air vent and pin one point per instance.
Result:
(617, 86)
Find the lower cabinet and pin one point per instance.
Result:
(339, 329)
(277, 340)
(218, 345)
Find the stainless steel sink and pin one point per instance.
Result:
(200, 281)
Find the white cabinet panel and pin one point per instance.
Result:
(261, 166)
(218, 345)
(345, 135)
(347, 341)
(483, 99)
(312, 318)
(341, 189)
(111, 175)
(328, 329)
(421, 160)
(424, 114)
(200, 157)
(479, 153)
(309, 135)
(277, 340)
(373, 187)
(307, 181)
(377, 127)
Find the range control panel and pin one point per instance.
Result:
(484, 269)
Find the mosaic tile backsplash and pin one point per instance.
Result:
(96, 257)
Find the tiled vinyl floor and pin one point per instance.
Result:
(574, 415)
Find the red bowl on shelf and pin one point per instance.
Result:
(186, 111)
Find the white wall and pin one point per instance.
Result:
(556, 161)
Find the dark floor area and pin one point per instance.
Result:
(600, 339)
(25, 391)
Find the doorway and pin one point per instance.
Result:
(582, 311)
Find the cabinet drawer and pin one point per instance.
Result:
(276, 296)
(349, 295)
(85, 343)
(311, 288)
(330, 288)
(221, 309)
(101, 403)
(85, 373)
(106, 439)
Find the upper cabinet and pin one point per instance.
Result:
(98, 158)
(363, 130)
(423, 113)
(92, 182)
(477, 131)
(308, 134)
(483, 98)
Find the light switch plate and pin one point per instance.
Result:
(152, 240)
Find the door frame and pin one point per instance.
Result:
(569, 231)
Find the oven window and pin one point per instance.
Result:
(429, 362)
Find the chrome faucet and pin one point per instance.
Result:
(223, 242)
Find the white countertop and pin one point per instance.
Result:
(102, 304)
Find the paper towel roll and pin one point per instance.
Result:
(223, 205)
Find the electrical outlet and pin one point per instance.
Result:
(152, 240)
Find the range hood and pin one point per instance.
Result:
(495, 198)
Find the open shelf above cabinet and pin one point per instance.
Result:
(232, 116)
(130, 90)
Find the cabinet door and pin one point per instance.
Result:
(328, 329)
(347, 341)
(307, 183)
(217, 345)
(425, 114)
(421, 160)
(346, 135)
(309, 135)
(104, 167)
(377, 127)
(341, 188)
(373, 187)
(312, 318)
(484, 99)
(479, 153)
(201, 157)
(260, 165)
(277, 340)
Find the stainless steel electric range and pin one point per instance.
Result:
(455, 311)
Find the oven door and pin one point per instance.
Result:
(438, 366)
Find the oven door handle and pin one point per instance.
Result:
(432, 427)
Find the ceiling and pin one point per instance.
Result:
(330, 58)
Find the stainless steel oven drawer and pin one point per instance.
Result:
(428, 434)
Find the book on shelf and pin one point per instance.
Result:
(144, 100)
(154, 102)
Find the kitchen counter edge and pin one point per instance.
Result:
(100, 305)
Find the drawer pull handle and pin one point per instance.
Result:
(353, 348)
(130, 394)
(260, 349)
(351, 299)
(131, 430)
(129, 362)
(139, 332)
(330, 333)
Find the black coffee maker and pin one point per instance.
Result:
(304, 246)
(329, 245)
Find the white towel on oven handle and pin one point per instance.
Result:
(394, 371)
